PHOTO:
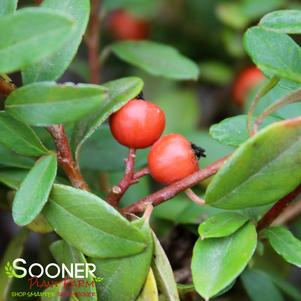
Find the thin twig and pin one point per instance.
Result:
(289, 214)
(141, 173)
(92, 40)
(195, 198)
(65, 158)
(170, 191)
(277, 209)
(118, 191)
(6, 87)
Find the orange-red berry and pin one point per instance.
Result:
(138, 124)
(172, 158)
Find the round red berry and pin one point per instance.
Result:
(138, 124)
(246, 80)
(125, 26)
(172, 158)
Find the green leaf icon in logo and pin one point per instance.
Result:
(9, 270)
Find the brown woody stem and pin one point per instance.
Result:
(128, 179)
(277, 209)
(65, 158)
(172, 190)
(6, 87)
(93, 41)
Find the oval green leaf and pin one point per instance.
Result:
(285, 244)
(42, 31)
(66, 254)
(261, 171)
(91, 225)
(216, 262)
(157, 59)
(287, 21)
(163, 273)
(53, 66)
(222, 224)
(19, 137)
(47, 103)
(275, 53)
(8, 7)
(260, 286)
(11, 159)
(131, 275)
(120, 91)
(34, 190)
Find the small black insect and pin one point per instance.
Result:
(199, 152)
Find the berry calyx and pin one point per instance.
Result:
(125, 26)
(173, 158)
(138, 124)
(245, 82)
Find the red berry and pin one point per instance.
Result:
(138, 124)
(125, 26)
(172, 158)
(246, 80)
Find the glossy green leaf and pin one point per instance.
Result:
(157, 59)
(8, 7)
(34, 190)
(124, 276)
(275, 53)
(13, 251)
(259, 286)
(100, 230)
(47, 103)
(163, 273)
(11, 159)
(119, 93)
(233, 130)
(287, 21)
(40, 225)
(222, 224)
(53, 66)
(216, 262)
(12, 177)
(266, 166)
(285, 244)
(43, 31)
(66, 254)
(19, 137)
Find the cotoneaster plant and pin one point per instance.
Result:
(59, 164)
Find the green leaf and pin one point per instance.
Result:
(100, 230)
(8, 7)
(259, 286)
(275, 53)
(34, 190)
(285, 244)
(11, 159)
(53, 293)
(233, 130)
(66, 254)
(157, 59)
(47, 103)
(222, 224)
(287, 21)
(40, 225)
(53, 66)
(119, 93)
(267, 166)
(163, 273)
(12, 177)
(42, 31)
(124, 276)
(19, 137)
(216, 262)
(13, 251)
